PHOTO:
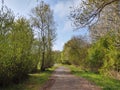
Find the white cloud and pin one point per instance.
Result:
(67, 26)
(58, 46)
(61, 9)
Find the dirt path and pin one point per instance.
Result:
(62, 79)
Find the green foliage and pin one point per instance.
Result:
(95, 56)
(103, 55)
(57, 56)
(75, 51)
(21, 38)
(15, 48)
(20, 53)
(6, 23)
(34, 82)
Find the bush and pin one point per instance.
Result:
(15, 52)
(103, 56)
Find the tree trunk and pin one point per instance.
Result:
(43, 61)
(43, 52)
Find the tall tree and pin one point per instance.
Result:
(51, 36)
(42, 21)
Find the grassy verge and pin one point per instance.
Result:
(105, 82)
(34, 82)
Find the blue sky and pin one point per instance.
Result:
(61, 10)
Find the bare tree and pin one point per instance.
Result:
(88, 12)
(108, 21)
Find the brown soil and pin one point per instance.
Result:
(62, 79)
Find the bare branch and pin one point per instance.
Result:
(86, 15)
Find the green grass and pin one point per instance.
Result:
(104, 82)
(34, 82)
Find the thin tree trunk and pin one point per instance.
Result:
(43, 53)
(43, 61)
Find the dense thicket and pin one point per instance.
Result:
(16, 39)
(75, 51)
(103, 56)
(20, 51)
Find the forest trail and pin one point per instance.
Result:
(62, 79)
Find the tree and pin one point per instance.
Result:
(57, 56)
(108, 21)
(89, 11)
(20, 44)
(103, 56)
(42, 21)
(51, 36)
(16, 39)
(75, 51)
(6, 23)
